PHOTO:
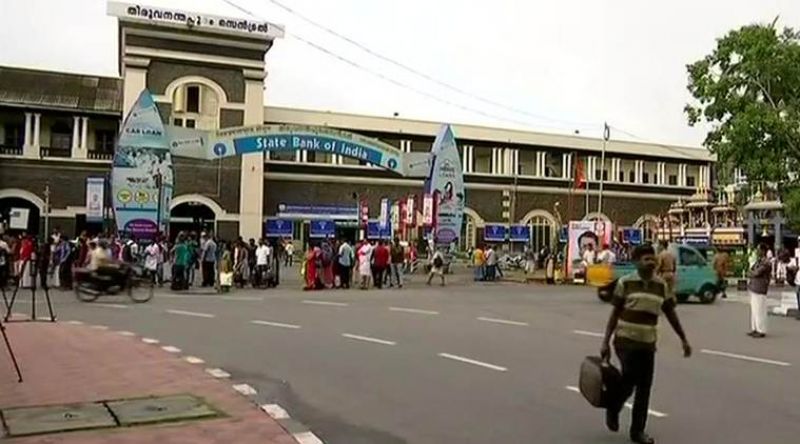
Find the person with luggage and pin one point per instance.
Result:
(639, 298)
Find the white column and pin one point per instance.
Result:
(37, 123)
(565, 164)
(28, 130)
(84, 133)
(541, 164)
(251, 180)
(76, 128)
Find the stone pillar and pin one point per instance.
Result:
(27, 144)
(76, 128)
(251, 185)
(37, 132)
(84, 145)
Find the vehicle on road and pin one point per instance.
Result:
(694, 276)
(128, 279)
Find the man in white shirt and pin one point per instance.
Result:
(289, 249)
(606, 256)
(589, 256)
(263, 252)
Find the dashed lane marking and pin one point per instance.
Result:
(329, 303)
(503, 321)
(126, 333)
(190, 313)
(473, 362)
(171, 349)
(307, 438)
(102, 304)
(745, 357)
(588, 333)
(245, 389)
(275, 324)
(651, 412)
(150, 341)
(414, 310)
(193, 360)
(240, 298)
(218, 373)
(275, 411)
(368, 339)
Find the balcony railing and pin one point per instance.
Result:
(49, 151)
(10, 150)
(100, 155)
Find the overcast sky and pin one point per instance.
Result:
(567, 65)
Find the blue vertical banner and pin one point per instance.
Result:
(494, 233)
(383, 219)
(95, 199)
(142, 177)
(520, 233)
(321, 228)
(446, 183)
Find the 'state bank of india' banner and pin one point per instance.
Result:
(141, 160)
(446, 182)
(283, 138)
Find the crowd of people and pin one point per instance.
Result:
(380, 264)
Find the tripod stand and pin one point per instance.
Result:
(10, 350)
(32, 269)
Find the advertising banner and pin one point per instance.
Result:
(411, 211)
(18, 218)
(375, 232)
(427, 210)
(383, 218)
(632, 236)
(335, 212)
(142, 174)
(494, 233)
(279, 228)
(580, 235)
(446, 183)
(321, 228)
(520, 233)
(95, 203)
(364, 208)
(395, 216)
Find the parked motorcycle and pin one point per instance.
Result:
(126, 279)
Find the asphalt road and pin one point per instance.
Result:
(468, 363)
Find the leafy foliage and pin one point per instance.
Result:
(748, 88)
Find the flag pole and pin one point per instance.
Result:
(606, 136)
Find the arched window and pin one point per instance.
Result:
(542, 232)
(467, 239)
(195, 105)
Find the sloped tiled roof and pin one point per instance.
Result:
(56, 90)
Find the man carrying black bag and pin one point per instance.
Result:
(639, 298)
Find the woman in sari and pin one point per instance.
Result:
(311, 269)
(365, 264)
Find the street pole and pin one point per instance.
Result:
(46, 210)
(606, 136)
(158, 207)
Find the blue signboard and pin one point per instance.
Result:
(494, 233)
(299, 211)
(279, 228)
(520, 233)
(632, 236)
(321, 228)
(375, 232)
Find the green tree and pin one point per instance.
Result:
(748, 89)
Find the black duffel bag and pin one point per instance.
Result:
(599, 381)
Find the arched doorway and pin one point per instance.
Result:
(544, 229)
(469, 229)
(649, 225)
(18, 205)
(193, 213)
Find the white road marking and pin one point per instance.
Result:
(43, 318)
(241, 298)
(218, 373)
(150, 341)
(333, 304)
(655, 413)
(100, 304)
(191, 313)
(193, 360)
(368, 339)
(75, 322)
(275, 411)
(503, 321)
(473, 362)
(588, 333)
(413, 310)
(183, 296)
(245, 389)
(745, 358)
(99, 327)
(307, 438)
(171, 349)
(275, 324)
(126, 333)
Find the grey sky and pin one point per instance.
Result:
(575, 63)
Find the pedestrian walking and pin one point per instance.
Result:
(757, 288)
(491, 264)
(208, 259)
(365, 264)
(639, 298)
(722, 265)
(345, 259)
(437, 267)
(182, 260)
(479, 264)
(289, 254)
(225, 268)
(240, 264)
(153, 260)
(380, 262)
(666, 266)
(396, 267)
(262, 263)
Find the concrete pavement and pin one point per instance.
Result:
(468, 363)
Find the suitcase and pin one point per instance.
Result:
(599, 381)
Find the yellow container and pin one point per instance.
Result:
(599, 275)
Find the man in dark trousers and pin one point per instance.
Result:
(639, 298)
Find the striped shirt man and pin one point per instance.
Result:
(641, 302)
